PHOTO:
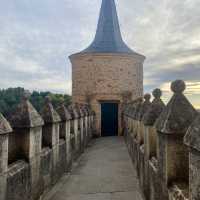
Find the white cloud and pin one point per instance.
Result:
(37, 37)
(192, 92)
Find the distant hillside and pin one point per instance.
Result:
(10, 97)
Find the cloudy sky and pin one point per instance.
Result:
(37, 36)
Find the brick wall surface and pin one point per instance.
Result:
(106, 77)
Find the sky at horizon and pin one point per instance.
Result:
(38, 36)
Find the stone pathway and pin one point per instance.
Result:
(104, 172)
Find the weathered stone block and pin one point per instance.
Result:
(172, 158)
(179, 191)
(157, 189)
(192, 140)
(82, 134)
(19, 181)
(36, 177)
(3, 153)
(51, 135)
(62, 163)
(3, 186)
(150, 143)
(76, 135)
(141, 167)
(194, 175)
(69, 154)
(46, 167)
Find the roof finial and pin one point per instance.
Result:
(178, 86)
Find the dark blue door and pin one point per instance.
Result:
(109, 119)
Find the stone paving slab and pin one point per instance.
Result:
(104, 172)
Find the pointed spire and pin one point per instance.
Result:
(49, 114)
(108, 37)
(155, 109)
(178, 114)
(4, 126)
(25, 115)
(145, 106)
(64, 113)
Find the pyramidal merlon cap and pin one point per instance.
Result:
(108, 37)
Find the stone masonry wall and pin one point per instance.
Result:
(37, 149)
(164, 144)
(106, 77)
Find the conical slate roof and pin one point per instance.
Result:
(108, 37)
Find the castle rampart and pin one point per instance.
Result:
(163, 142)
(37, 149)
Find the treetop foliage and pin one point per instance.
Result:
(10, 98)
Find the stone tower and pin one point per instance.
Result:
(107, 73)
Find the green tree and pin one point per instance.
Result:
(10, 98)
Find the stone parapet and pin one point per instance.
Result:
(5, 130)
(192, 140)
(157, 141)
(25, 156)
(36, 149)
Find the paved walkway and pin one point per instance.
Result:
(104, 172)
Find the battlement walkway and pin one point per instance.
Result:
(104, 172)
